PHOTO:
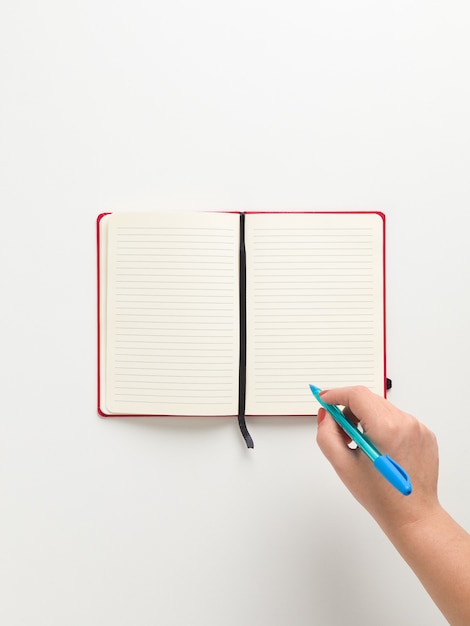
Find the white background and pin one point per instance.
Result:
(256, 105)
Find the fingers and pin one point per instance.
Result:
(361, 402)
(387, 426)
(331, 439)
(395, 433)
(358, 398)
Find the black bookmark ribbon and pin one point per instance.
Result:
(242, 366)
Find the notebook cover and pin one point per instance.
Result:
(100, 217)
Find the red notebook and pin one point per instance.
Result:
(207, 314)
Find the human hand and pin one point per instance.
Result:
(395, 433)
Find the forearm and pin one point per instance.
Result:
(438, 551)
(433, 544)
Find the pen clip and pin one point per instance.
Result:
(394, 473)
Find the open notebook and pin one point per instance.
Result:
(177, 324)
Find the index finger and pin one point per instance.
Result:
(366, 406)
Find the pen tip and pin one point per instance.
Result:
(314, 389)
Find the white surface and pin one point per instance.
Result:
(209, 105)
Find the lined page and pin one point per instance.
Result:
(315, 298)
(172, 341)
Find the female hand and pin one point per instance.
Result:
(432, 543)
(395, 433)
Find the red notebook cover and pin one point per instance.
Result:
(98, 223)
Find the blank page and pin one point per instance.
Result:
(170, 335)
(315, 307)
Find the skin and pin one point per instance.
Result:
(431, 542)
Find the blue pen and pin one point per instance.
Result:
(389, 468)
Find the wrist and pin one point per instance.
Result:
(412, 521)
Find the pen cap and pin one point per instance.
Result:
(395, 474)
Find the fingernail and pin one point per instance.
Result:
(323, 391)
(321, 415)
